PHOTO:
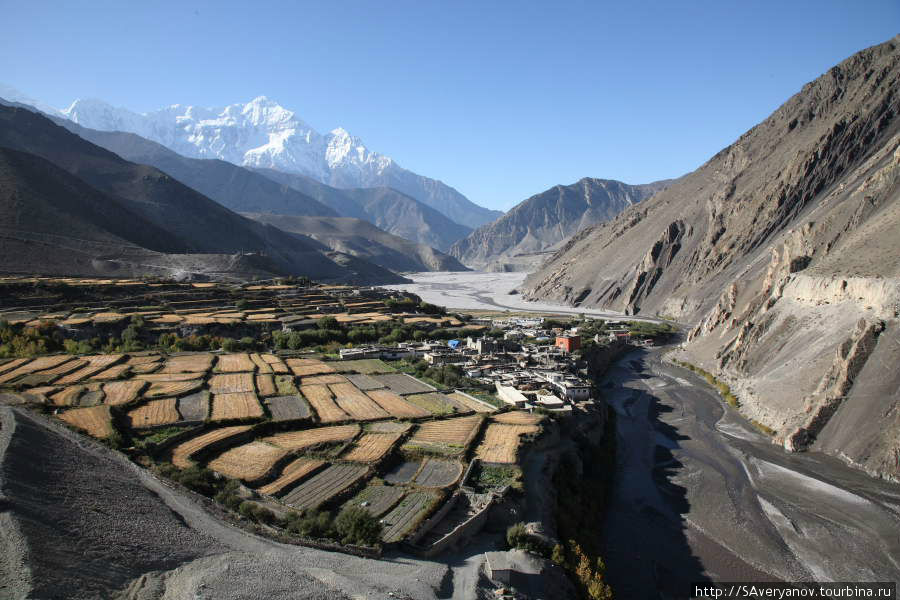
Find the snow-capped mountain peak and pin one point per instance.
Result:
(261, 133)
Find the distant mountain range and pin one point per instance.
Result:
(263, 134)
(70, 207)
(524, 237)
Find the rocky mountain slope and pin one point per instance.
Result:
(116, 200)
(262, 134)
(522, 238)
(362, 239)
(388, 209)
(783, 251)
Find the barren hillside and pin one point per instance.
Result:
(783, 251)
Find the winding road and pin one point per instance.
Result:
(701, 495)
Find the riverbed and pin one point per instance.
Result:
(701, 495)
(478, 290)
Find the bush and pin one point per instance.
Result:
(356, 525)
(518, 537)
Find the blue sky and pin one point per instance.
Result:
(498, 99)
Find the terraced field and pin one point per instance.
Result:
(194, 407)
(38, 364)
(404, 472)
(322, 401)
(182, 453)
(123, 392)
(189, 363)
(159, 389)
(288, 408)
(309, 438)
(265, 385)
(435, 403)
(396, 406)
(367, 366)
(438, 473)
(501, 442)
(95, 421)
(365, 383)
(237, 405)
(154, 413)
(231, 383)
(308, 366)
(403, 384)
(234, 363)
(371, 447)
(248, 462)
(517, 417)
(292, 473)
(356, 403)
(95, 365)
(377, 499)
(403, 519)
(476, 405)
(324, 486)
(455, 432)
(323, 379)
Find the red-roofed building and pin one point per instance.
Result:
(569, 343)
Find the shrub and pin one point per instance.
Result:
(356, 525)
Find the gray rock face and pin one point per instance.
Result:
(783, 250)
(534, 228)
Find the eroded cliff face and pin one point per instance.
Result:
(783, 252)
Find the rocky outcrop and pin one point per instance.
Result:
(787, 265)
(524, 236)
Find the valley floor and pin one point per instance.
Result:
(477, 290)
(701, 495)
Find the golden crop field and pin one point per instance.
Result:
(114, 372)
(464, 400)
(65, 368)
(67, 396)
(188, 363)
(501, 442)
(262, 365)
(396, 405)
(172, 388)
(355, 403)
(231, 382)
(234, 363)
(306, 438)
(95, 420)
(169, 376)
(371, 447)
(276, 363)
(95, 365)
(182, 453)
(123, 392)
(153, 413)
(323, 379)
(293, 472)
(517, 417)
(143, 360)
(308, 366)
(249, 462)
(237, 405)
(265, 384)
(38, 364)
(147, 367)
(459, 431)
(320, 398)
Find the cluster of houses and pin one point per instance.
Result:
(542, 372)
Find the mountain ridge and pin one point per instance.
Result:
(262, 134)
(518, 239)
(781, 252)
